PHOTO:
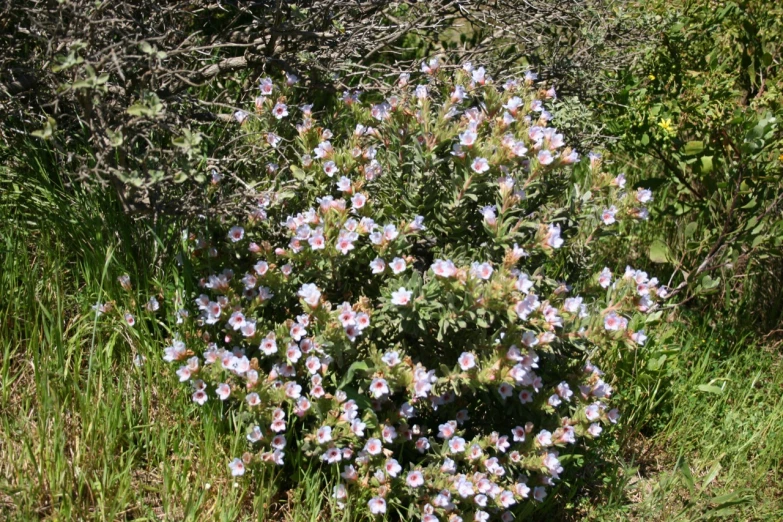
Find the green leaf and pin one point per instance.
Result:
(659, 252)
(706, 164)
(690, 229)
(115, 138)
(687, 476)
(48, 129)
(708, 283)
(645, 139)
(710, 388)
(139, 109)
(693, 147)
(713, 473)
(358, 365)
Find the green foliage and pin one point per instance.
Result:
(701, 116)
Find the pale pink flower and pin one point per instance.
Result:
(592, 412)
(467, 138)
(377, 505)
(265, 84)
(223, 391)
(614, 322)
(457, 445)
(545, 157)
(273, 139)
(310, 294)
(480, 165)
(466, 361)
(358, 200)
(398, 265)
(608, 215)
(324, 434)
(619, 181)
(392, 467)
(639, 337)
(505, 390)
(605, 278)
(330, 168)
(373, 446)
(481, 270)
(553, 238)
(443, 268)
(401, 297)
(377, 265)
(200, 397)
(391, 358)
(237, 467)
(278, 441)
(414, 479)
(280, 110)
(379, 388)
(423, 444)
(643, 195)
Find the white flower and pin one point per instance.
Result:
(398, 265)
(415, 479)
(614, 322)
(553, 238)
(379, 388)
(466, 361)
(401, 297)
(237, 467)
(310, 294)
(605, 278)
(377, 505)
(280, 110)
(639, 337)
(545, 157)
(643, 195)
(608, 215)
(480, 165)
(391, 358)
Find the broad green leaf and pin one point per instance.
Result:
(708, 283)
(659, 252)
(693, 147)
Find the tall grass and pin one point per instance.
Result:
(85, 432)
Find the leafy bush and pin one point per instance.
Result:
(701, 115)
(412, 300)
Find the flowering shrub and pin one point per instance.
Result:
(402, 303)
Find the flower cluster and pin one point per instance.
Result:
(396, 305)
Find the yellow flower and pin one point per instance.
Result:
(651, 77)
(667, 126)
(780, 157)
